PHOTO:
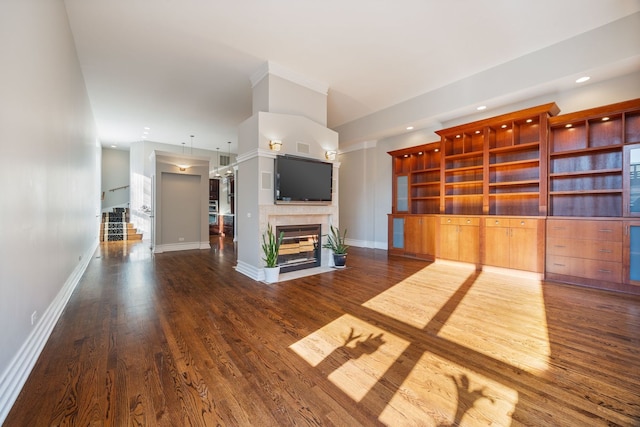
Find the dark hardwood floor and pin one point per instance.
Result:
(182, 339)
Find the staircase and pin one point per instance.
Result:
(115, 226)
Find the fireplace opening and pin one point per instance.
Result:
(300, 247)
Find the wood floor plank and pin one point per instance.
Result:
(181, 338)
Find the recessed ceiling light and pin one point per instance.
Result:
(114, 146)
(482, 107)
(147, 128)
(409, 127)
(583, 79)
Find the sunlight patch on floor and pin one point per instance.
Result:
(351, 353)
(419, 297)
(438, 392)
(503, 323)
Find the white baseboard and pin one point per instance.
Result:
(366, 244)
(249, 270)
(185, 246)
(16, 374)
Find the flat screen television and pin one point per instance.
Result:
(302, 180)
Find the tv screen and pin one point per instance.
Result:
(302, 180)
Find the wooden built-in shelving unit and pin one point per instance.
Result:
(513, 181)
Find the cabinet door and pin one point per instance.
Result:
(413, 234)
(397, 232)
(631, 203)
(449, 241)
(469, 243)
(631, 253)
(496, 243)
(524, 249)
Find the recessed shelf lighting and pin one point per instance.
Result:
(458, 136)
(583, 79)
(406, 155)
(503, 126)
(529, 120)
(420, 153)
(482, 107)
(477, 132)
(436, 150)
(409, 127)
(568, 125)
(604, 119)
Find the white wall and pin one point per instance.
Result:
(115, 179)
(355, 179)
(49, 181)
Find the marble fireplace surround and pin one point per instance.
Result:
(289, 214)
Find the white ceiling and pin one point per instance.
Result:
(183, 68)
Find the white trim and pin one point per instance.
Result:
(18, 370)
(172, 247)
(366, 244)
(282, 72)
(250, 271)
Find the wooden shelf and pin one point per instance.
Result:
(516, 194)
(585, 151)
(585, 192)
(459, 196)
(585, 173)
(464, 168)
(424, 184)
(517, 147)
(452, 184)
(514, 183)
(514, 163)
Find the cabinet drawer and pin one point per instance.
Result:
(587, 268)
(523, 223)
(590, 249)
(600, 230)
(560, 228)
(559, 265)
(459, 220)
(585, 229)
(599, 270)
(496, 222)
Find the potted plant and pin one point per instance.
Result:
(335, 242)
(270, 248)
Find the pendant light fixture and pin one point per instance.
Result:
(191, 145)
(229, 171)
(217, 162)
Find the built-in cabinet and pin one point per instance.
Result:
(514, 242)
(460, 239)
(584, 251)
(557, 195)
(413, 235)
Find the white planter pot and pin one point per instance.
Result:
(271, 274)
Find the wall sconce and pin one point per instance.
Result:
(275, 145)
(183, 168)
(330, 155)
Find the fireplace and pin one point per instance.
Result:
(300, 247)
